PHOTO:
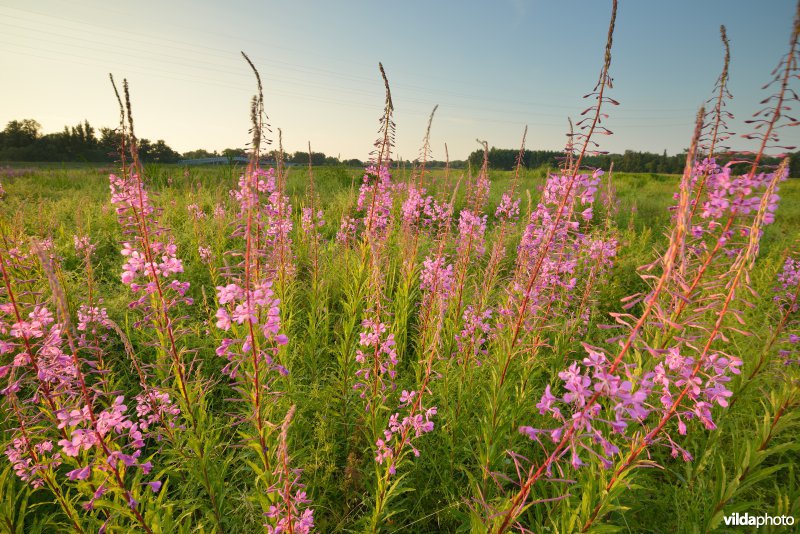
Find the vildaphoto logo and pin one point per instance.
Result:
(747, 520)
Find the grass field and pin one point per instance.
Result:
(209, 470)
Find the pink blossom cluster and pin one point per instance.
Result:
(414, 205)
(378, 358)
(219, 211)
(601, 251)
(373, 208)
(786, 298)
(479, 191)
(84, 434)
(206, 256)
(84, 245)
(552, 249)
(130, 197)
(27, 466)
(279, 226)
(508, 209)
(287, 517)
(421, 209)
(436, 279)
(270, 213)
(150, 262)
(601, 400)
(144, 276)
(38, 338)
(94, 321)
(789, 279)
(471, 234)
(472, 338)
(256, 310)
(437, 215)
(155, 409)
(195, 212)
(251, 185)
(311, 221)
(729, 196)
(402, 433)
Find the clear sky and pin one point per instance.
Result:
(492, 67)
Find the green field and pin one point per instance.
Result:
(747, 464)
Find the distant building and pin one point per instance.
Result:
(222, 160)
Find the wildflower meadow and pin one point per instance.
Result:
(288, 349)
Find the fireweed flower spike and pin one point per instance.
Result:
(152, 270)
(291, 513)
(249, 315)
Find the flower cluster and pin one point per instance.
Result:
(142, 276)
(310, 221)
(552, 248)
(29, 461)
(255, 309)
(437, 215)
(206, 256)
(679, 387)
(728, 196)
(84, 245)
(378, 358)
(374, 206)
(508, 209)
(195, 212)
(473, 336)
(151, 263)
(155, 409)
(290, 511)
(471, 232)
(94, 321)
(789, 279)
(288, 518)
(787, 297)
(219, 211)
(375, 199)
(37, 341)
(733, 195)
(85, 433)
(436, 278)
(402, 433)
(251, 185)
(414, 205)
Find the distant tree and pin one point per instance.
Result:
(161, 153)
(199, 153)
(20, 134)
(143, 146)
(301, 158)
(110, 142)
(231, 153)
(506, 158)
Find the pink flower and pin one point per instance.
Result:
(223, 319)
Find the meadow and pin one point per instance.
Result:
(392, 349)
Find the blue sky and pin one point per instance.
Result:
(492, 67)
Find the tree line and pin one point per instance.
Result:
(629, 161)
(23, 140)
